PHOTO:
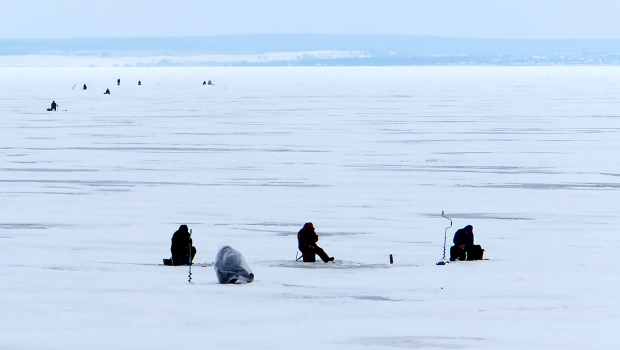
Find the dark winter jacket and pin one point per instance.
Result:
(462, 236)
(307, 237)
(181, 242)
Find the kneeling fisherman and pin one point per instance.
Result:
(464, 247)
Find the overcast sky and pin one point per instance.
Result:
(551, 19)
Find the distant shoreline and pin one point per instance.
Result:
(304, 60)
(307, 50)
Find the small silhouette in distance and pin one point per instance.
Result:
(139, 82)
(204, 82)
(84, 87)
(210, 83)
(107, 92)
(53, 108)
(118, 82)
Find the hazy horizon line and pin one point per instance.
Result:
(323, 49)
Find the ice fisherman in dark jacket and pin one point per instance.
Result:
(307, 239)
(180, 248)
(464, 247)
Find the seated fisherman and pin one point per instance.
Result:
(464, 248)
(107, 92)
(307, 239)
(180, 249)
(84, 87)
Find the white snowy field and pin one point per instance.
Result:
(91, 195)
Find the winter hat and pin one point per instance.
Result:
(469, 228)
(183, 228)
(309, 225)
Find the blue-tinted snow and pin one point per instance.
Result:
(91, 195)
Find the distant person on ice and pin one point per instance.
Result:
(464, 247)
(54, 105)
(107, 92)
(84, 88)
(204, 82)
(139, 82)
(118, 82)
(210, 83)
(180, 248)
(307, 239)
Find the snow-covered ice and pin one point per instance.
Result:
(91, 195)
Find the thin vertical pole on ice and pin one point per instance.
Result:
(190, 257)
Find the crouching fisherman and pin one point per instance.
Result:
(231, 267)
(54, 106)
(307, 239)
(182, 254)
(464, 247)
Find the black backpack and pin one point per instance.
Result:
(475, 252)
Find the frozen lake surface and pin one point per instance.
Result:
(91, 195)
